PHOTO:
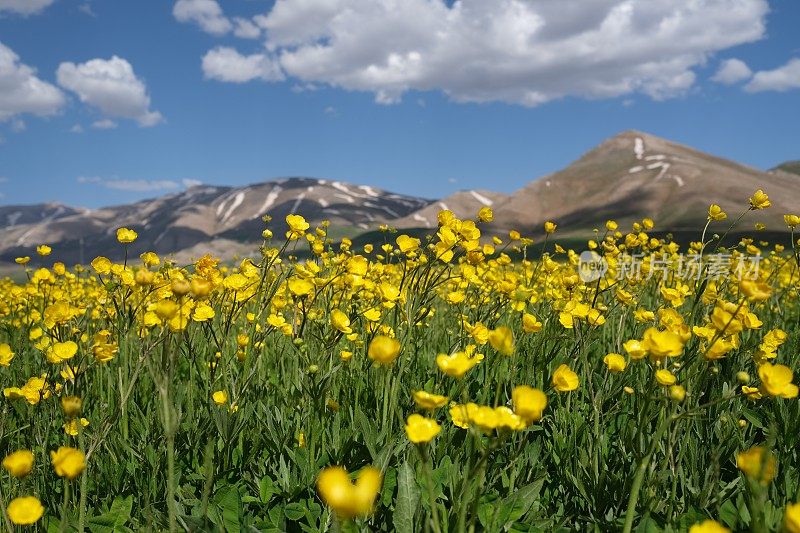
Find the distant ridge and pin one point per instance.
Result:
(626, 178)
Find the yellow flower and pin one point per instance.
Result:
(485, 214)
(456, 365)
(71, 405)
(407, 244)
(300, 286)
(662, 343)
(203, 313)
(792, 221)
(502, 340)
(759, 200)
(126, 236)
(677, 393)
(758, 464)
(348, 500)
(383, 350)
(426, 400)
(22, 260)
(715, 212)
(297, 226)
(421, 429)
(529, 403)
(43, 250)
(340, 321)
(776, 380)
(791, 518)
(68, 462)
(220, 397)
(459, 414)
(6, 355)
(756, 291)
(564, 379)
(62, 351)
(531, 324)
(72, 427)
(635, 349)
(19, 463)
(25, 510)
(665, 377)
(709, 526)
(615, 362)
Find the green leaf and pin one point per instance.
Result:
(114, 519)
(729, 514)
(514, 507)
(266, 488)
(294, 511)
(407, 500)
(229, 504)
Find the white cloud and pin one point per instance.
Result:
(130, 185)
(732, 71)
(226, 64)
(22, 92)
(205, 13)
(525, 52)
(18, 125)
(104, 124)
(112, 87)
(246, 29)
(138, 185)
(780, 79)
(86, 8)
(24, 7)
(77, 128)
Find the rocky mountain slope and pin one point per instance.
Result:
(219, 218)
(635, 175)
(625, 178)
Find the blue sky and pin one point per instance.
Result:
(425, 99)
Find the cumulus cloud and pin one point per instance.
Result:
(205, 13)
(732, 71)
(780, 79)
(246, 29)
(523, 52)
(111, 86)
(24, 7)
(208, 15)
(226, 64)
(22, 92)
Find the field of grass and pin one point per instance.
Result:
(426, 384)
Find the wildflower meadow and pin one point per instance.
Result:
(456, 381)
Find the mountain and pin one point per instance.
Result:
(465, 204)
(792, 167)
(635, 175)
(220, 219)
(626, 178)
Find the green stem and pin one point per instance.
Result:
(429, 482)
(63, 527)
(641, 470)
(170, 434)
(84, 486)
